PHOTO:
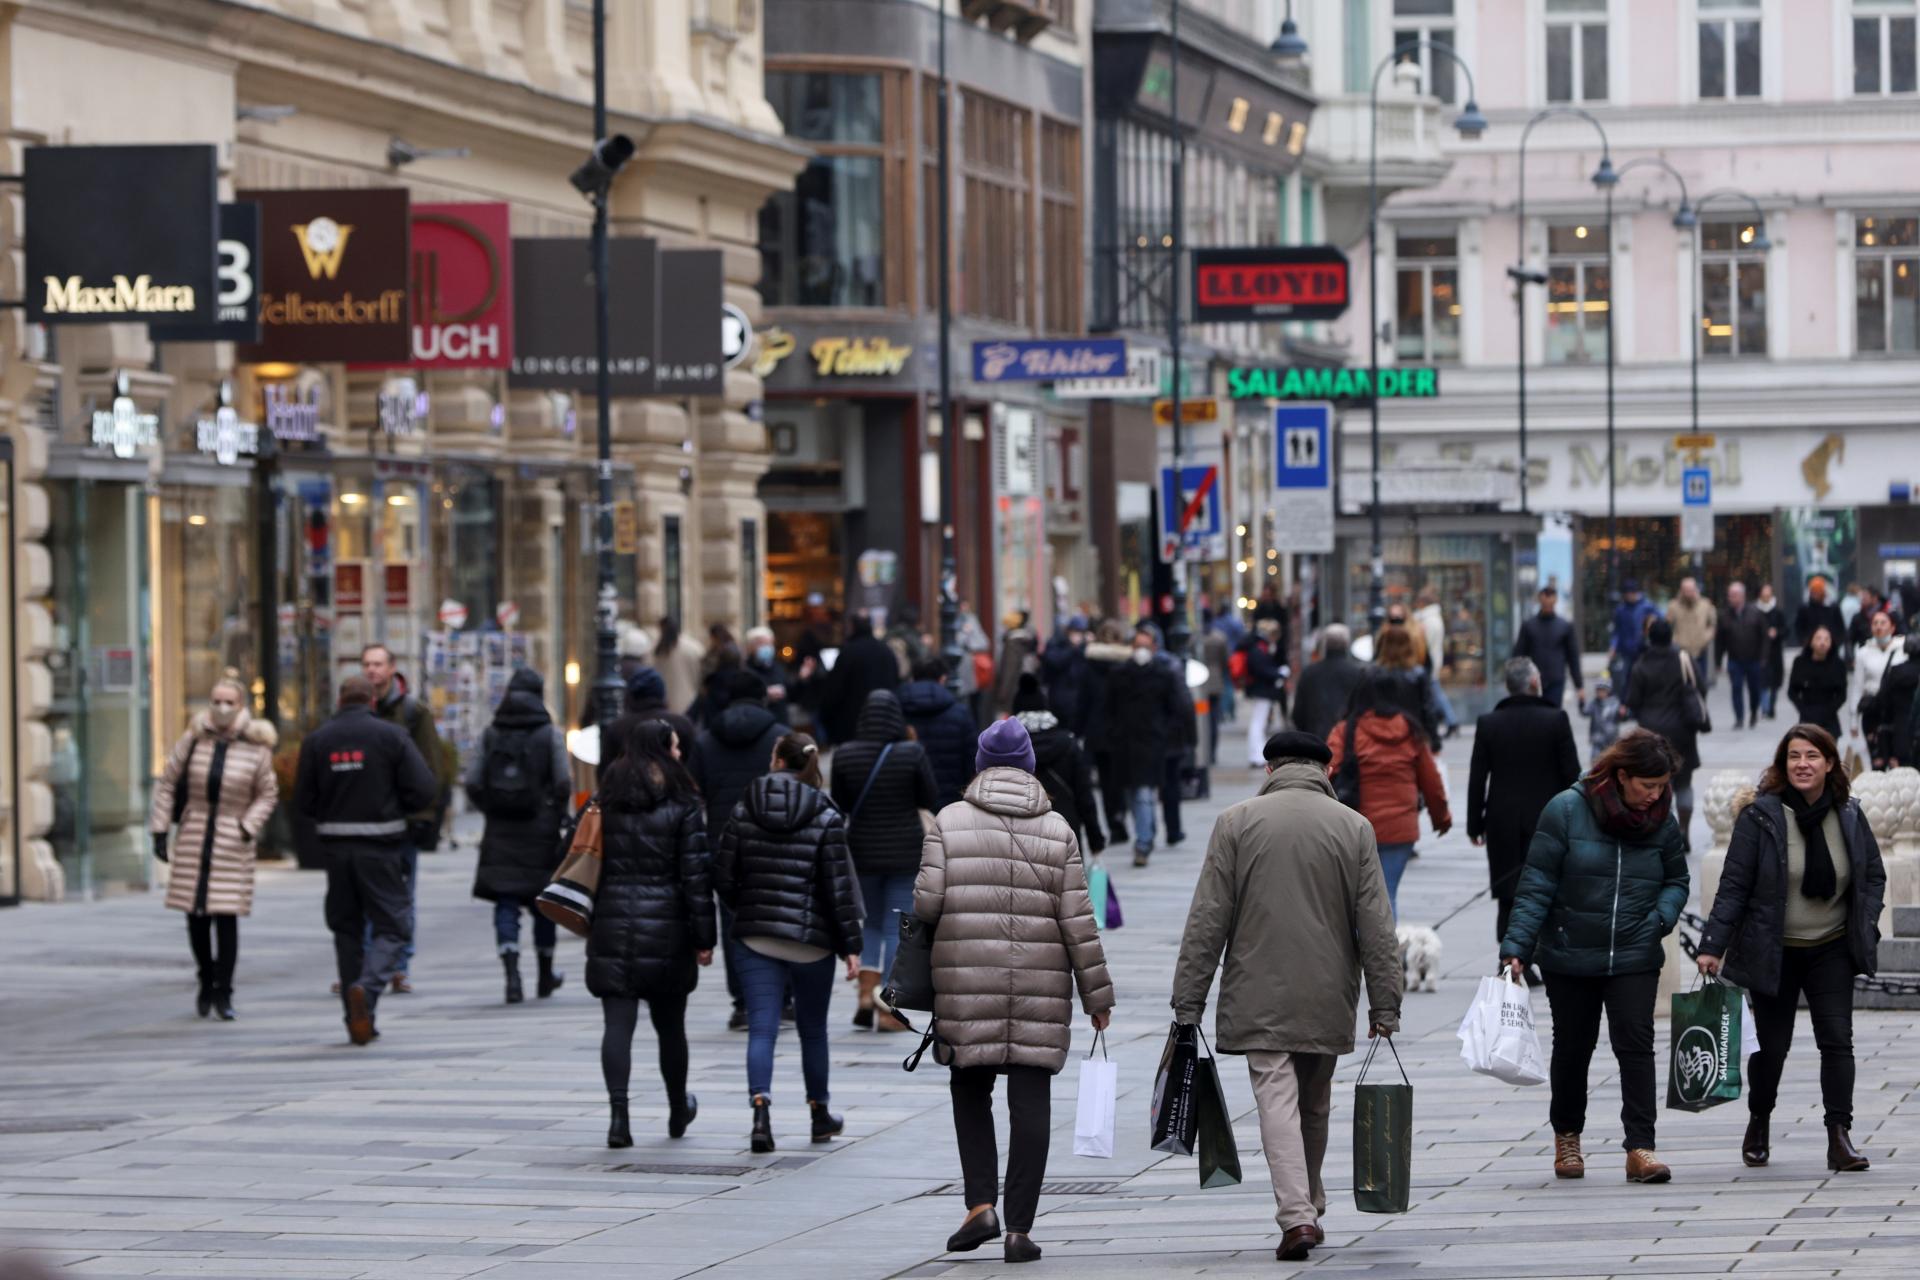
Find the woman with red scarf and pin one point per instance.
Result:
(1605, 881)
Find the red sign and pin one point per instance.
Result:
(399, 586)
(460, 297)
(1303, 283)
(349, 587)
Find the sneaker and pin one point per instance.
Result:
(737, 1020)
(1140, 857)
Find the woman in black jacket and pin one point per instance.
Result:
(782, 867)
(881, 781)
(1798, 913)
(1818, 683)
(1659, 695)
(1061, 764)
(942, 726)
(652, 918)
(1892, 710)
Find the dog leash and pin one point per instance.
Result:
(1462, 907)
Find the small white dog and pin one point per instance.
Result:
(1419, 956)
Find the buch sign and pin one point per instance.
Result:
(334, 277)
(460, 290)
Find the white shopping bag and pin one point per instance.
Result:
(1497, 1037)
(1749, 1034)
(1478, 1027)
(1093, 1118)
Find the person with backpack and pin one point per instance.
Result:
(521, 779)
(394, 704)
(942, 725)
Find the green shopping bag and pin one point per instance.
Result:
(1703, 1065)
(1382, 1139)
(1097, 894)
(1213, 1129)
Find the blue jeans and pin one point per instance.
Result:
(1750, 677)
(764, 980)
(730, 955)
(506, 928)
(413, 897)
(1144, 800)
(887, 896)
(1443, 706)
(1393, 864)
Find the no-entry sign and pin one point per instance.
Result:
(1308, 282)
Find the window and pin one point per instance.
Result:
(1883, 46)
(750, 584)
(1427, 20)
(1579, 293)
(1358, 46)
(673, 572)
(1729, 48)
(823, 244)
(1060, 226)
(1733, 291)
(1428, 306)
(1576, 50)
(995, 211)
(1886, 284)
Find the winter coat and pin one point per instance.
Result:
(1775, 656)
(1548, 639)
(682, 671)
(1818, 690)
(1413, 694)
(231, 792)
(1064, 771)
(1432, 627)
(885, 833)
(1871, 663)
(1657, 696)
(1292, 891)
(415, 717)
(1813, 616)
(1215, 651)
(782, 866)
(1263, 671)
(864, 665)
(1694, 625)
(358, 779)
(1002, 884)
(1143, 722)
(1629, 635)
(1523, 756)
(1397, 772)
(518, 855)
(1745, 636)
(1321, 694)
(1893, 709)
(1102, 661)
(735, 748)
(1590, 904)
(1019, 654)
(944, 728)
(1747, 925)
(777, 677)
(655, 905)
(1063, 671)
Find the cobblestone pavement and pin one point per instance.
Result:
(138, 1140)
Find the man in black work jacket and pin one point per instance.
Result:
(357, 780)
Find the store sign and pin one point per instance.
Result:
(403, 407)
(237, 298)
(1350, 385)
(1044, 359)
(1143, 377)
(691, 359)
(460, 291)
(774, 345)
(398, 592)
(1306, 283)
(123, 428)
(736, 335)
(553, 320)
(859, 357)
(333, 277)
(290, 416)
(349, 587)
(119, 234)
(223, 436)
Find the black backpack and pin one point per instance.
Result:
(514, 776)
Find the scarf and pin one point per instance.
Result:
(1617, 820)
(1819, 881)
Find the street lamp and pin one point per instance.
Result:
(1289, 44)
(1684, 219)
(1470, 124)
(949, 430)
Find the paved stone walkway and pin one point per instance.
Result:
(138, 1140)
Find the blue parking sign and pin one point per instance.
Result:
(1303, 446)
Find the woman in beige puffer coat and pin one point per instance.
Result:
(1002, 884)
(225, 763)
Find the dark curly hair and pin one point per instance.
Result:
(1774, 781)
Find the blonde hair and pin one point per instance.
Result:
(231, 680)
(1396, 649)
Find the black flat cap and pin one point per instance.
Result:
(1291, 744)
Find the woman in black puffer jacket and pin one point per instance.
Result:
(781, 866)
(652, 918)
(881, 781)
(1061, 765)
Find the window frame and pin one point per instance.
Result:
(1733, 260)
(1404, 27)
(1582, 263)
(1425, 266)
(1729, 19)
(1886, 256)
(1883, 14)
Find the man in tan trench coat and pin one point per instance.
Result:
(1293, 893)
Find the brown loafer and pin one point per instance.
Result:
(1296, 1244)
(1319, 1235)
(1567, 1160)
(1643, 1166)
(359, 1015)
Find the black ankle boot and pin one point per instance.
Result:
(510, 960)
(618, 1134)
(826, 1125)
(1756, 1147)
(1842, 1156)
(762, 1126)
(678, 1118)
(223, 1004)
(203, 1003)
(549, 980)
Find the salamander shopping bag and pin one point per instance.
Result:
(1703, 1064)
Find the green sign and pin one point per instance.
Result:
(1304, 383)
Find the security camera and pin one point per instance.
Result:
(608, 157)
(1526, 275)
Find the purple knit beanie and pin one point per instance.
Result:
(1005, 743)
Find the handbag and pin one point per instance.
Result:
(1097, 885)
(568, 901)
(1174, 1120)
(1698, 717)
(1346, 779)
(1382, 1139)
(910, 983)
(1704, 1058)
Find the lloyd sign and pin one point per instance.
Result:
(1306, 283)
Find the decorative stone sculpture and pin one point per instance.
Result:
(1716, 802)
(1906, 840)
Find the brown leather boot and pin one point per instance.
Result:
(1842, 1156)
(1644, 1166)
(1756, 1147)
(869, 983)
(1567, 1160)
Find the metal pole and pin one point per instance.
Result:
(607, 689)
(1377, 585)
(1178, 633)
(1693, 358)
(1613, 525)
(949, 429)
(1520, 316)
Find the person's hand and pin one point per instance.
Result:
(1378, 1032)
(853, 966)
(1441, 828)
(1709, 965)
(1101, 1019)
(1621, 714)
(160, 845)
(1583, 704)
(1518, 970)
(704, 958)
(807, 667)
(1479, 842)
(776, 692)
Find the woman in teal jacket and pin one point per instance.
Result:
(1605, 882)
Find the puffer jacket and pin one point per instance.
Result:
(735, 749)
(655, 905)
(1103, 660)
(782, 866)
(944, 729)
(1747, 925)
(231, 792)
(1658, 696)
(1590, 905)
(1063, 769)
(885, 834)
(518, 855)
(1146, 712)
(1002, 883)
(1397, 772)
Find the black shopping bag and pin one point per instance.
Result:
(1175, 1118)
(1219, 1154)
(1703, 1064)
(1382, 1140)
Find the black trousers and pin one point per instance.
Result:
(1824, 974)
(1170, 797)
(1113, 795)
(1502, 913)
(1577, 1002)
(622, 1015)
(215, 964)
(369, 887)
(1029, 1114)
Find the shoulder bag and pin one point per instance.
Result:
(1698, 717)
(871, 775)
(568, 901)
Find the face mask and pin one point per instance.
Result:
(1141, 657)
(223, 716)
(764, 654)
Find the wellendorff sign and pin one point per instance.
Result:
(333, 281)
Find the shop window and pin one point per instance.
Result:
(1733, 290)
(1729, 32)
(673, 572)
(473, 528)
(1427, 311)
(1883, 47)
(1576, 50)
(823, 244)
(207, 607)
(1427, 20)
(1650, 552)
(750, 584)
(1886, 284)
(1578, 293)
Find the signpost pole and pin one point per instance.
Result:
(607, 689)
(949, 430)
(1178, 633)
